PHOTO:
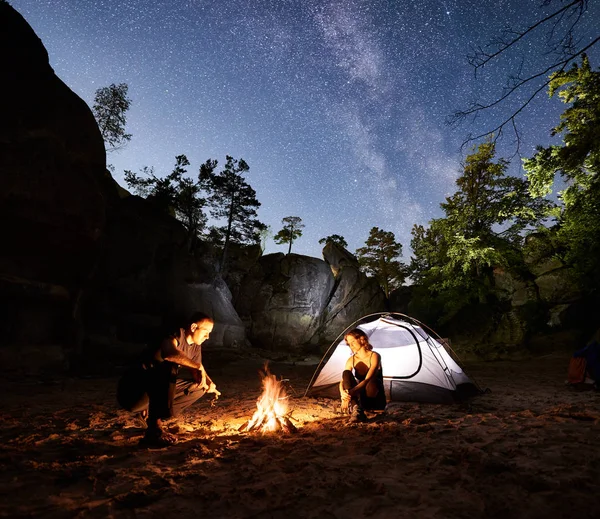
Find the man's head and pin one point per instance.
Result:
(200, 327)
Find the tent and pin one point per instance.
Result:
(417, 363)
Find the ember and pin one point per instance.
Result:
(272, 408)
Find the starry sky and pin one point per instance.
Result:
(338, 106)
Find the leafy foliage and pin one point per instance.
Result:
(110, 107)
(292, 230)
(334, 238)
(484, 226)
(378, 258)
(577, 162)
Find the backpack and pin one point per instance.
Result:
(577, 370)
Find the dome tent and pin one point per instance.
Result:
(417, 363)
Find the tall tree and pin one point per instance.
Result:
(233, 201)
(489, 203)
(484, 225)
(110, 108)
(292, 230)
(379, 259)
(567, 31)
(176, 193)
(429, 252)
(577, 162)
(334, 238)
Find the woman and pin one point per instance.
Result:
(361, 386)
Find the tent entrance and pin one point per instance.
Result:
(417, 364)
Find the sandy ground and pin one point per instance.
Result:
(528, 449)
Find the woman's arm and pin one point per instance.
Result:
(375, 362)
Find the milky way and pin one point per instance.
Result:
(339, 107)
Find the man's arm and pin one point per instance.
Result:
(170, 352)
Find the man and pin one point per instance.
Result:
(151, 386)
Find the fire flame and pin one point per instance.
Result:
(272, 405)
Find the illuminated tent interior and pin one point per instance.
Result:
(418, 366)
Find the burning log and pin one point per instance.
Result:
(272, 413)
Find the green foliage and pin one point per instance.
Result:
(176, 194)
(484, 227)
(577, 162)
(110, 107)
(292, 230)
(334, 238)
(379, 259)
(231, 200)
(487, 200)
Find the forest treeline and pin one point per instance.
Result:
(486, 221)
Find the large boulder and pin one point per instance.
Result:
(54, 190)
(282, 299)
(559, 286)
(338, 257)
(354, 296)
(509, 286)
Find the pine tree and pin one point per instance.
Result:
(379, 259)
(292, 230)
(176, 194)
(231, 200)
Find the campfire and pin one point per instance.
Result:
(272, 412)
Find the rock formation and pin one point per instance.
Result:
(54, 195)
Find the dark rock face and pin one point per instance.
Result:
(337, 257)
(288, 302)
(355, 295)
(149, 280)
(282, 299)
(54, 192)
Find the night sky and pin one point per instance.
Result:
(338, 107)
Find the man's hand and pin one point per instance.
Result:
(213, 389)
(200, 377)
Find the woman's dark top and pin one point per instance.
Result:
(378, 401)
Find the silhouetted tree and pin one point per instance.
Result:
(110, 107)
(334, 238)
(559, 27)
(378, 258)
(292, 230)
(232, 200)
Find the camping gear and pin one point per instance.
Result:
(584, 366)
(417, 364)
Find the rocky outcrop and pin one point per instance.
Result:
(559, 286)
(54, 192)
(282, 299)
(291, 302)
(337, 257)
(354, 295)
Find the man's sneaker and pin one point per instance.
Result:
(357, 415)
(142, 418)
(157, 438)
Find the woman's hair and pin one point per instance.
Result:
(361, 337)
